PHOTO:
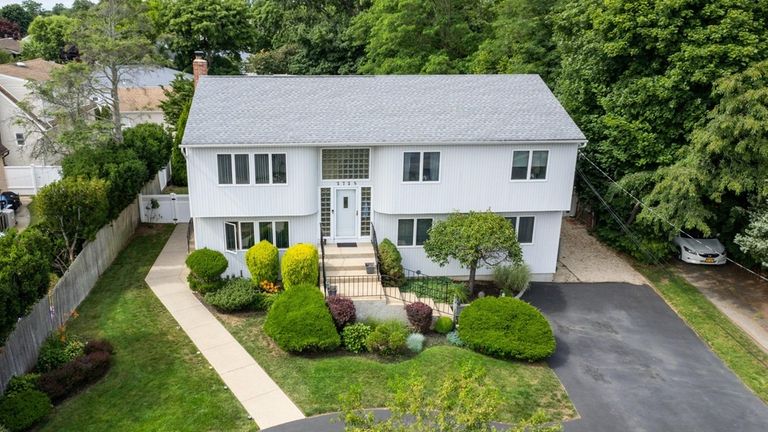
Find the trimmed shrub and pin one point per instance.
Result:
(506, 327)
(354, 337)
(236, 295)
(151, 143)
(420, 316)
(342, 310)
(454, 339)
(206, 267)
(262, 262)
(443, 325)
(22, 383)
(415, 342)
(22, 410)
(56, 351)
(60, 383)
(267, 300)
(391, 264)
(512, 279)
(300, 265)
(99, 345)
(388, 338)
(299, 321)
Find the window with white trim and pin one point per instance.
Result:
(421, 166)
(242, 235)
(20, 140)
(529, 164)
(270, 168)
(412, 232)
(228, 165)
(523, 227)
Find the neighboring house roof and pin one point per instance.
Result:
(34, 70)
(10, 45)
(349, 110)
(144, 76)
(141, 99)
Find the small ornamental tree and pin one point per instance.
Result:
(473, 239)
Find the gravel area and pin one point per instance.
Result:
(583, 258)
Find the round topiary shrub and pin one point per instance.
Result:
(22, 410)
(262, 261)
(299, 321)
(300, 265)
(420, 316)
(443, 325)
(506, 327)
(206, 267)
(236, 295)
(415, 342)
(354, 337)
(342, 310)
(388, 338)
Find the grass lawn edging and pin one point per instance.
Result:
(729, 342)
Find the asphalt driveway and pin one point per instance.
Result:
(629, 363)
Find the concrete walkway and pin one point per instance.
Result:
(260, 396)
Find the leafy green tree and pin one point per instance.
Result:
(152, 145)
(178, 161)
(113, 39)
(520, 41)
(463, 402)
(473, 239)
(9, 29)
(754, 240)
(48, 36)
(219, 28)
(414, 36)
(24, 275)
(73, 210)
(177, 98)
(123, 171)
(304, 37)
(22, 14)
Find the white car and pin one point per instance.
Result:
(707, 251)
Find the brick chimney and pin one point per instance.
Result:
(199, 66)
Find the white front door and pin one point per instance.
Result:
(346, 212)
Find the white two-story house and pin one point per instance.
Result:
(290, 158)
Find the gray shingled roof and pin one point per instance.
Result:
(376, 110)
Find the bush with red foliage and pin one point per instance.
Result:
(73, 376)
(99, 345)
(342, 310)
(420, 316)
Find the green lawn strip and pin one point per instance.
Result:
(179, 190)
(727, 340)
(315, 383)
(157, 381)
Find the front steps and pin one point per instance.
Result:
(345, 268)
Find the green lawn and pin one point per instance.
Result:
(180, 190)
(315, 383)
(728, 341)
(158, 382)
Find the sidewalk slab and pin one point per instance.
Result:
(261, 397)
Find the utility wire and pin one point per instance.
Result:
(654, 213)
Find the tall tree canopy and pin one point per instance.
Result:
(22, 14)
(415, 36)
(48, 35)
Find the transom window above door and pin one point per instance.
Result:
(421, 166)
(346, 164)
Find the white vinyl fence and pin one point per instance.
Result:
(27, 180)
(169, 208)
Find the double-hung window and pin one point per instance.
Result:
(270, 168)
(421, 166)
(243, 235)
(529, 164)
(20, 140)
(523, 226)
(412, 232)
(237, 164)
